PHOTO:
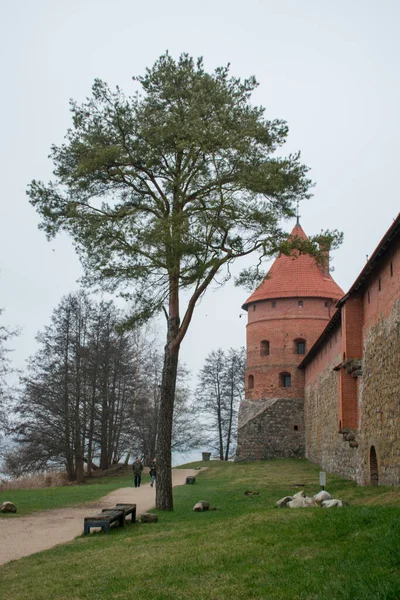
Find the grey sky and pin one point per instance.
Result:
(331, 69)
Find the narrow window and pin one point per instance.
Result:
(373, 465)
(254, 307)
(296, 427)
(391, 269)
(274, 304)
(300, 303)
(300, 346)
(326, 304)
(285, 380)
(264, 348)
(251, 382)
(379, 284)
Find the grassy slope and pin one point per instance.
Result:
(245, 549)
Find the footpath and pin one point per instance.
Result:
(21, 536)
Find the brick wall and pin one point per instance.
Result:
(348, 401)
(281, 322)
(332, 350)
(382, 290)
(352, 324)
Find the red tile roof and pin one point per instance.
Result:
(292, 277)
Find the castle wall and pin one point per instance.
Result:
(375, 394)
(342, 408)
(271, 419)
(380, 383)
(272, 428)
(325, 445)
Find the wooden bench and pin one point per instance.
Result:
(108, 516)
(129, 509)
(104, 520)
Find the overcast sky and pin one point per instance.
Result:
(331, 69)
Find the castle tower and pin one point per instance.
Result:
(286, 315)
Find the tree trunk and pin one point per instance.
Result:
(219, 414)
(229, 432)
(69, 461)
(164, 439)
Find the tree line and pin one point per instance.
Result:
(90, 395)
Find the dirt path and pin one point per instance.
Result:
(42, 530)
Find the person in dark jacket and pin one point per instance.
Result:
(153, 472)
(137, 472)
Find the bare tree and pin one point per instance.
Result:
(220, 390)
(91, 393)
(6, 369)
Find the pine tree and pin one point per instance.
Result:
(163, 191)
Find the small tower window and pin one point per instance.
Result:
(285, 380)
(251, 382)
(273, 304)
(379, 284)
(300, 346)
(264, 348)
(391, 269)
(326, 304)
(254, 307)
(300, 303)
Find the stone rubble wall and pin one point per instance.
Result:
(380, 399)
(324, 444)
(267, 429)
(379, 409)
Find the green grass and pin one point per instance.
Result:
(245, 549)
(29, 501)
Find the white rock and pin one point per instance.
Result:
(302, 502)
(332, 503)
(299, 495)
(8, 507)
(322, 496)
(283, 502)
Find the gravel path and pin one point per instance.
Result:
(26, 535)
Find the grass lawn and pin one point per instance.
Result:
(29, 501)
(245, 549)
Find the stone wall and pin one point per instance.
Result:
(349, 453)
(272, 428)
(325, 445)
(380, 399)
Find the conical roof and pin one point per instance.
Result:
(291, 277)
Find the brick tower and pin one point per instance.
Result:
(286, 315)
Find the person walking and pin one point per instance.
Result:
(137, 472)
(153, 472)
